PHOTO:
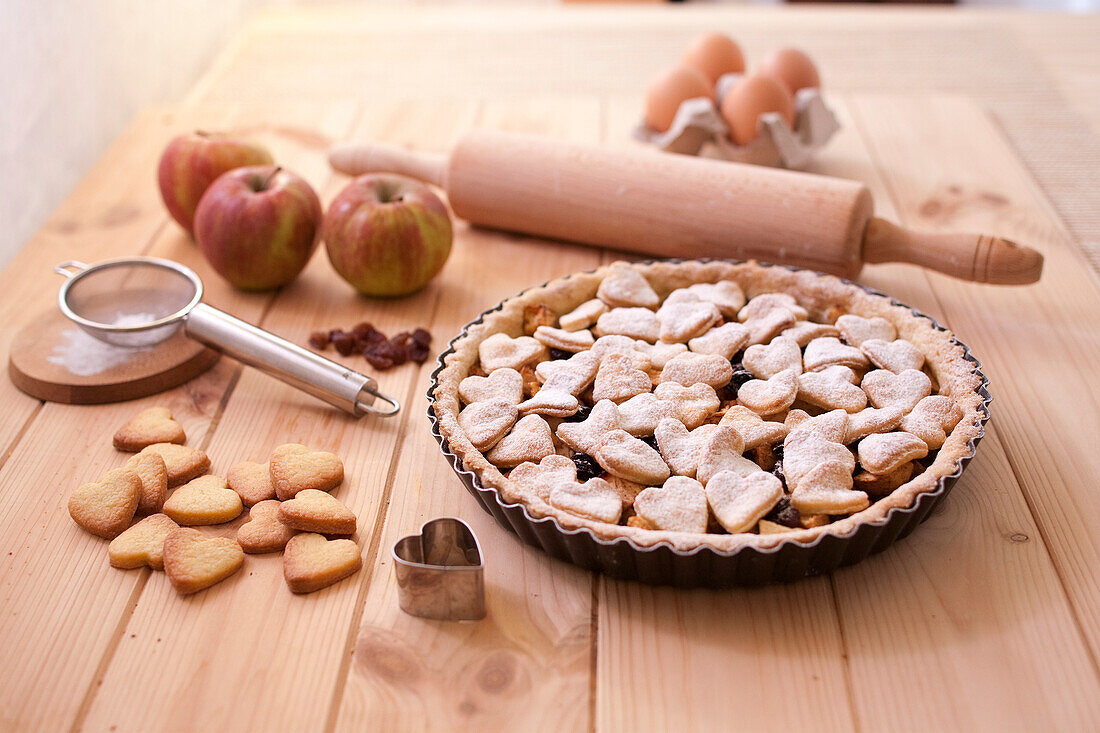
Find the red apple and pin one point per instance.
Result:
(190, 164)
(387, 235)
(258, 226)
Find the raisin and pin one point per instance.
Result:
(369, 340)
(586, 466)
(360, 330)
(740, 376)
(785, 514)
(336, 333)
(651, 441)
(421, 336)
(318, 340)
(418, 352)
(560, 354)
(779, 474)
(580, 415)
(777, 449)
(385, 355)
(344, 343)
(378, 361)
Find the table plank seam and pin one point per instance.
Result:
(845, 659)
(19, 435)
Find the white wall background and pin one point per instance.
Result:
(74, 73)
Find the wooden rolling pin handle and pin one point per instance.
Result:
(975, 257)
(359, 158)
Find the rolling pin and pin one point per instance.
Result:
(681, 206)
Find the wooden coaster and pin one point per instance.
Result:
(53, 360)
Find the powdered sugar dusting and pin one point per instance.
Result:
(84, 355)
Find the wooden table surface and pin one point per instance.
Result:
(986, 618)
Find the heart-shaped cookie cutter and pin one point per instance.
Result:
(440, 573)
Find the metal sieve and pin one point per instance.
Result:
(141, 301)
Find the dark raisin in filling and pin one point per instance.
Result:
(651, 441)
(740, 376)
(580, 415)
(560, 354)
(785, 514)
(586, 466)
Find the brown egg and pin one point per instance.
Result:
(669, 90)
(714, 54)
(792, 67)
(751, 97)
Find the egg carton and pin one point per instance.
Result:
(698, 129)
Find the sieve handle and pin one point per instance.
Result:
(334, 383)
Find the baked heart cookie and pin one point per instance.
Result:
(181, 462)
(204, 500)
(142, 544)
(312, 562)
(251, 481)
(194, 561)
(151, 469)
(105, 507)
(263, 532)
(294, 468)
(315, 511)
(152, 425)
(729, 399)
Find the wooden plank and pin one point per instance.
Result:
(737, 654)
(974, 590)
(526, 666)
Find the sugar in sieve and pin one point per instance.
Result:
(140, 301)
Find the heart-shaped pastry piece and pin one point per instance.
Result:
(312, 562)
(263, 532)
(807, 451)
(623, 455)
(767, 397)
(501, 351)
(725, 340)
(767, 360)
(883, 453)
(316, 511)
(725, 295)
(181, 462)
(640, 415)
(857, 329)
(763, 304)
(625, 286)
(204, 500)
(294, 468)
(803, 332)
(142, 544)
(583, 316)
(932, 419)
(105, 507)
(550, 402)
(540, 478)
(683, 449)
(595, 499)
(152, 425)
(633, 323)
(897, 356)
(150, 468)
(690, 369)
(194, 561)
(503, 384)
(829, 351)
(739, 502)
(903, 391)
(530, 440)
(764, 328)
(584, 436)
(832, 389)
(684, 315)
(872, 420)
(753, 429)
(251, 481)
(678, 506)
(827, 489)
(874, 485)
(485, 423)
(557, 338)
(572, 375)
(723, 453)
(690, 405)
(831, 426)
(659, 353)
(617, 379)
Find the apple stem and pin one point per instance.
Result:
(267, 181)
